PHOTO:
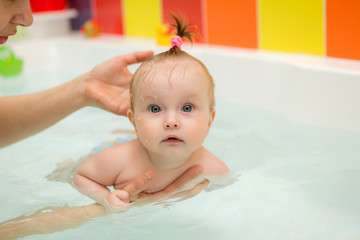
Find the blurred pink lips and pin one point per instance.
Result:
(3, 39)
(172, 139)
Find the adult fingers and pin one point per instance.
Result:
(174, 190)
(192, 192)
(180, 196)
(141, 183)
(186, 177)
(136, 57)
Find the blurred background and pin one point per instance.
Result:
(316, 27)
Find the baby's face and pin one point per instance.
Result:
(172, 112)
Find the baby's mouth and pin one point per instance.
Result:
(172, 139)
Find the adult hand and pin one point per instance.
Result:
(107, 85)
(174, 190)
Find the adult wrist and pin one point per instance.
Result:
(80, 87)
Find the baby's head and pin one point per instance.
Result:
(172, 98)
(167, 62)
(173, 61)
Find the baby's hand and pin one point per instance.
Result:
(118, 201)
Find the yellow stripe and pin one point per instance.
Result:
(141, 17)
(292, 26)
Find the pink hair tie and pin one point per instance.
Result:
(176, 41)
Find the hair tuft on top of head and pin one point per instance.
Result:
(182, 27)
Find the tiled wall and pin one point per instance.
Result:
(317, 27)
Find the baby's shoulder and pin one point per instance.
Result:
(124, 151)
(212, 165)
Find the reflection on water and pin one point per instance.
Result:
(297, 181)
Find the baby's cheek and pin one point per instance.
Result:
(147, 132)
(198, 131)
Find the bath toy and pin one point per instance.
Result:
(91, 28)
(164, 33)
(9, 64)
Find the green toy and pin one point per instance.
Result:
(9, 64)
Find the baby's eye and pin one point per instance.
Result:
(155, 109)
(187, 108)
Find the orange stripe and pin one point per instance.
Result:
(343, 29)
(232, 22)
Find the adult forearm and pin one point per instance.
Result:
(49, 220)
(25, 115)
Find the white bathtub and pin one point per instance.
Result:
(289, 124)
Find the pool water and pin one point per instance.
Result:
(297, 181)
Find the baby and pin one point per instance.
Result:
(172, 109)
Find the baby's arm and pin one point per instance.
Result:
(93, 177)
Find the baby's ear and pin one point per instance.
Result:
(212, 117)
(130, 115)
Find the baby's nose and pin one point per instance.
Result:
(171, 124)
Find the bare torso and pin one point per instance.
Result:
(140, 162)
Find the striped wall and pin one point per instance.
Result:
(316, 27)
